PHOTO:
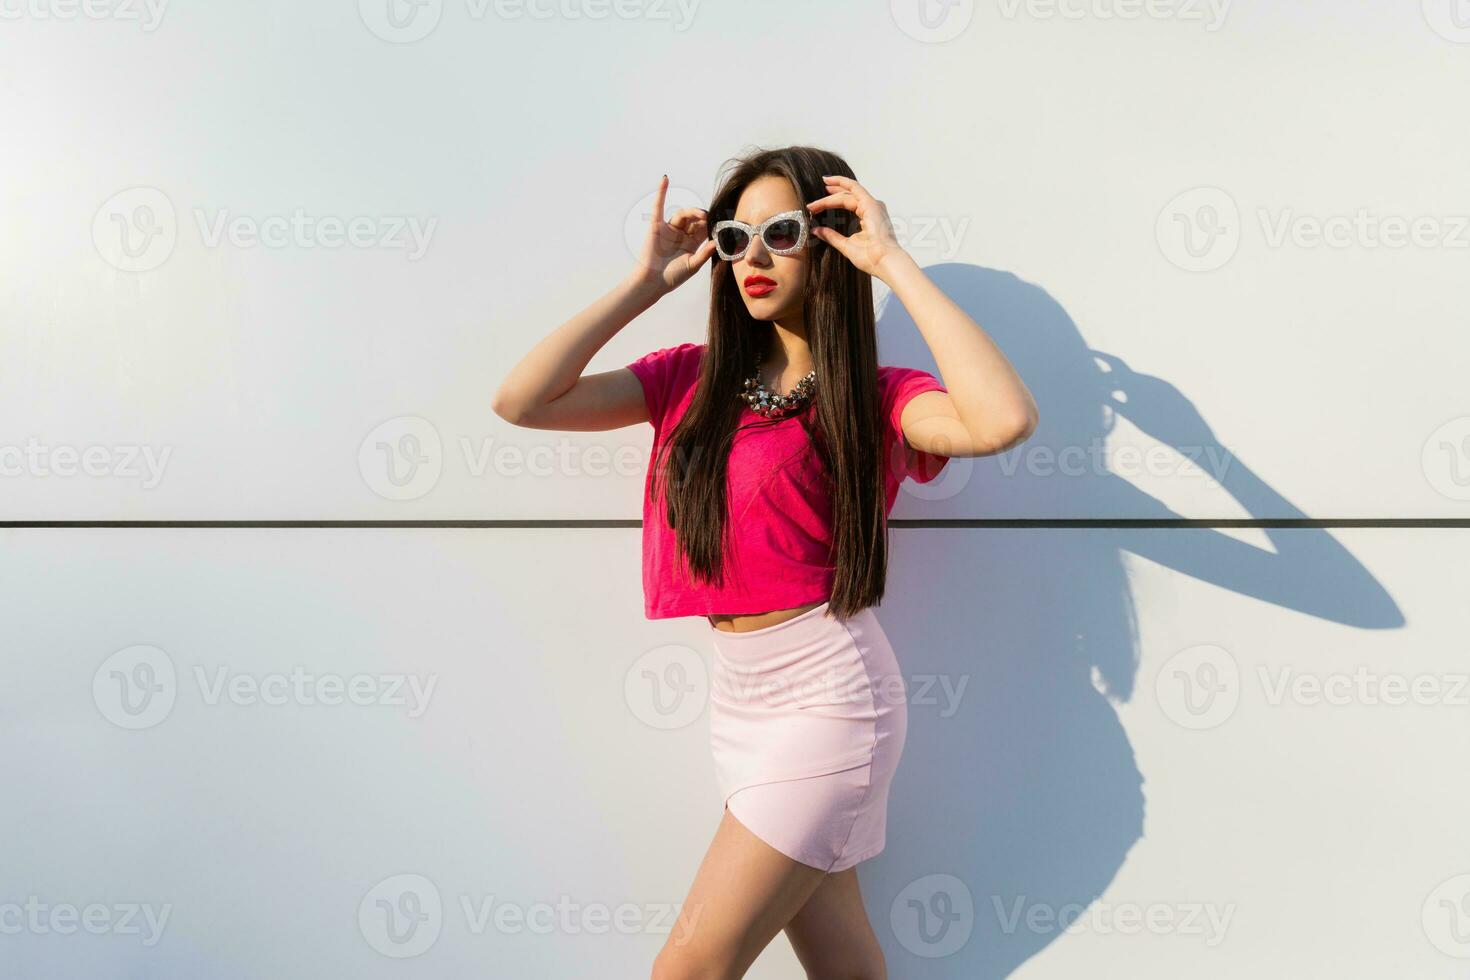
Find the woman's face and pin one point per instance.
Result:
(767, 195)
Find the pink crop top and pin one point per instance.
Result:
(779, 549)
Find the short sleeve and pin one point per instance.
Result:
(663, 374)
(902, 384)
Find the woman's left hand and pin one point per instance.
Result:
(874, 244)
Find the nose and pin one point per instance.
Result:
(756, 253)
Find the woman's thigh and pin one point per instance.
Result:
(831, 933)
(743, 894)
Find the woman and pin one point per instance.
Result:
(779, 446)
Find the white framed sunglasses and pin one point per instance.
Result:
(782, 234)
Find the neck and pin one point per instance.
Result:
(789, 356)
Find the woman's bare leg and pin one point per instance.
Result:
(743, 894)
(832, 935)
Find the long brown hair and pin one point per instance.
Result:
(842, 421)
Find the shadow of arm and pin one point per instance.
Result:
(1310, 570)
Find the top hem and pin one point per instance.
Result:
(748, 608)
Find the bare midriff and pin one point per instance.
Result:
(754, 621)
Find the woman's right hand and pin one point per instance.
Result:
(673, 250)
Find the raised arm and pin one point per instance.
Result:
(547, 389)
(987, 408)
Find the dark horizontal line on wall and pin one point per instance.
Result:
(952, 522)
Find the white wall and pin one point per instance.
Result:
(1082, 182)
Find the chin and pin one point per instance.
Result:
(763, 312)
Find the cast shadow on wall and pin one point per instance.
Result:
(1029, 794)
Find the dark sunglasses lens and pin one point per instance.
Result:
(783, 234)
(732, 241)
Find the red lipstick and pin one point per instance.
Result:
(758, 285)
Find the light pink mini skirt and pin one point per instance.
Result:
(807, 724)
